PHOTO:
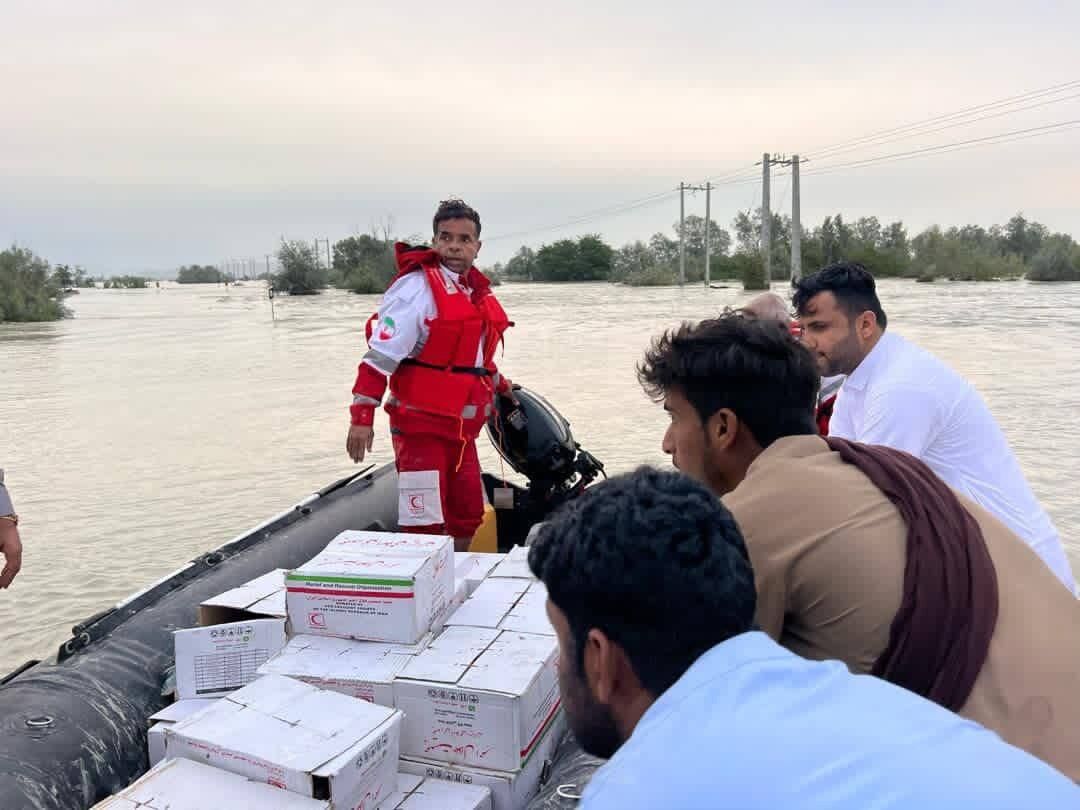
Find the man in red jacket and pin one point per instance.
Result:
(434, 337)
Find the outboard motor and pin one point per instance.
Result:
(535, 440)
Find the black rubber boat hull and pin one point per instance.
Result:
(74, 732)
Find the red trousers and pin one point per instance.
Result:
(439, 486)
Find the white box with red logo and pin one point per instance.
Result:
(181, 784)
(418, 793)
(361, 669)
(506, 604)
(373, 586)
(478, 697)
(297, 737)
(510, 790)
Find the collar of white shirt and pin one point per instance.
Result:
(864, 372)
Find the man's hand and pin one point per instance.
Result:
(359, 441)
(11, 548)
(509, 394)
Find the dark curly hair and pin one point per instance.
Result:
(750, 366)
(850, 282)
(655, 561)
(454, 209)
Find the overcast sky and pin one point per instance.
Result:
(138, 135)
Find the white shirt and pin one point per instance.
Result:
(402, 328)
(750, 725)
(902, 396)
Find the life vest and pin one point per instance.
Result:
(824, 414)
(444, 380)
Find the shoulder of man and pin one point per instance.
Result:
(410, 288)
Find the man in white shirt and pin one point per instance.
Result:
(899, 395)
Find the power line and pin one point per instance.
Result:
(917, 133)
(989, 140)
(949, 116)
(1002, 137)
(581, 219)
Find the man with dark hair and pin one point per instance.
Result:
(900, 395)
(861, 553)
(434, 337)
(661, 670)
(770, 306)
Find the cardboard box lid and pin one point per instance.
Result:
(359, 568)
(417, 793)
(515, 565)
(182, 784)
(474, 565)
(450, 655)
(399, 543)
(489, 604)
(529, 613)
(510, 663)
(286, 722)
(264, 596)
(331, 658)
(175, 712)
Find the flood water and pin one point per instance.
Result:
(159, 423)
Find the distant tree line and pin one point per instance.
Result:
(200, 274)
(365, 263)
(968, 253)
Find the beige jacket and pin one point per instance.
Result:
(828, 550)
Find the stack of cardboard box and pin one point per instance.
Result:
(386, 672)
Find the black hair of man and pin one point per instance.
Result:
(752, 367)
(454, 209)
(850, 282)
(654, 561)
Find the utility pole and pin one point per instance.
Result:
(796, 222)
(683, 188)
(329, 264)
(682, 234)
(766, 214)
(766, 218)
(708, 215)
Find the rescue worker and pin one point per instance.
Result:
(434, 337)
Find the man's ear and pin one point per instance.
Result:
(722, 428)
(865, 324)
(604, 665)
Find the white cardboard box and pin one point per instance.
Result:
(373, 586)
(515, 564)
(360, 669)
(170, 715)
(509, 791)
(261, 598)
(418, 793)
(474, 567)
(294, 736)
(180, 784)
(213, 661)
(506, 604)
(478, 696)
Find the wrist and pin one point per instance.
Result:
(362, 415)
